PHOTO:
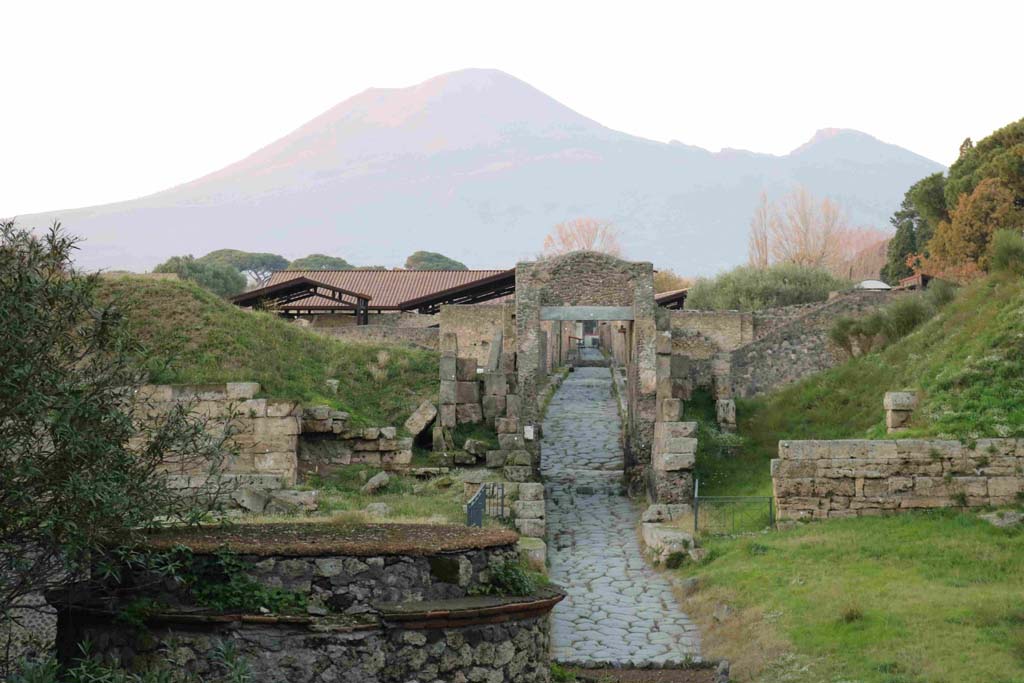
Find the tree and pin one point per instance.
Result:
(582, 234)
(257, 265)
(968, 235)
(803, 231)
(929, 200)
(907, 222)
(85, 462)
(431, 260)
(760, 228)
(320, 262)
(666, 280)
(1000, 156)
(219, 278)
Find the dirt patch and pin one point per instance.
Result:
(332, 538)
(645, 675)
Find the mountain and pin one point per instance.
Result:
(479, 165)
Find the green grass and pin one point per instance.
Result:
(935, 597)
(438, 500)
(967, 364)
(198, 338)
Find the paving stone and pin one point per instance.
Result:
(618, 611)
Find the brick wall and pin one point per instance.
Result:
(824, 479)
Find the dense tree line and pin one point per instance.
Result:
(947, 223)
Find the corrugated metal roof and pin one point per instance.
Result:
(386, 288)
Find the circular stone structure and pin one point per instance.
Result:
(384, 603)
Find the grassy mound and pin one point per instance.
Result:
(198, 338)
(918, 597)
(967, 365)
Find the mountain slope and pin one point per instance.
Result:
(479, 165)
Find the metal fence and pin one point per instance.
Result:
(731, 514)
(489, 500)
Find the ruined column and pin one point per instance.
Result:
(899, 407)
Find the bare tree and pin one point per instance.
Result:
(582, 234)
(760, 224)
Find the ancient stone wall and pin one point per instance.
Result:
(329, 443)
(265, 431)
(420, 337)
(798, 348)
(729, 330)
(383, 319)
(376, 616)
(583, 279)
(850, 478)
(510, 647)
(476, 326)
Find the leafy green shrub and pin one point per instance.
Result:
(1006, 255)
(939, 293)
(219, 278)
(560, 674)
(751, 289)
(903, 316)
(676, 560)
(512, 578)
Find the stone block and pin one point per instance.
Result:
(900, 400)
(511, 442)
(463, 458)
(242, 390)
(467, 392)
(517, 474)
(465, 370)
(725, 413)
(663, 342)
(533, 552)
(449, 344)
(475, 446)
(250, 500)
(448, 369)
(387, 444)
(506, 425)
(508, 361)
(493, 406)
(671, 462)
(370, 433)
(531, 491)
(281, 408)
(275, 462)
(528, 509)
(396, 458)
(469, 413)
(317, 413)
(533, 528)
(495, 459)
(366, 445)
(670, 410)
(251, 408)
(448, 392)
(897, 420)
(674, 430)
(495, 384)
(276, 425)
(680, 367)
(388, 432)
(448, 415)
(521, 457)
(512, 405)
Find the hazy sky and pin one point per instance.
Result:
(103, 101)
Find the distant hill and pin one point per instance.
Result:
(479, 165)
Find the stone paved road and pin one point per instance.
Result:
(618, 611)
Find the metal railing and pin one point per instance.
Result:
(489, 500)
(726, 515)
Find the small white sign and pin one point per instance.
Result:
(528, 432)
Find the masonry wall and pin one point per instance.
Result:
(265, 431)
(825, 479)
(420, 337)
(476, 326)
(797, 348)
(729, 330)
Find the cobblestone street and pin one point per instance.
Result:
(618, 611)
